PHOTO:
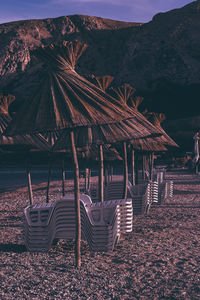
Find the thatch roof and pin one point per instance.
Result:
(18, 142)
(92, 153)
(125, 94)
(156, 119)
(5, 101)
(103, 82)
(65, 99)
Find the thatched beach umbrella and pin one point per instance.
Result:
(148, 145)
(18, 143)
(85, 114)
(159, 143)
(156, 119)
(124, 94)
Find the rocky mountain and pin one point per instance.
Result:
(161, 59)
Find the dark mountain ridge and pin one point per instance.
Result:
(161, 59)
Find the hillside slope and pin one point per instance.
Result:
(161, 59)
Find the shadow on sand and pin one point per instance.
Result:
(187, 182)
(16, 248)
(178, 192)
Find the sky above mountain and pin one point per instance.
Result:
(125, 10)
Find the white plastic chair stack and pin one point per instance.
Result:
(113, 191)
(100, 226)
(153, 191)
(125, 215)
(169, 189)
(101, 223)
(64, 213)
(140, 194)
(165, 187)
(38, 228)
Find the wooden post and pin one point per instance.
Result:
(197, 168)
(28, 173)
(77, 203)
(101, 185)
(89, 177)
(48, 181)
(137, 169)
(111, 172)
(86, 178)
(63, 177)
(148, 159)
(125, 171)
(152, 165)
(133, 166)
(106, 175)
(143, 166)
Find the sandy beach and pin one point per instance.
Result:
(159, 260)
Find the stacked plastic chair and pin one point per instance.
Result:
(141, 197)
(165, 187)
(38, 228)
(101, 223)
(153, 186)
(154, 194)
(115, 216)
(170, 189)
(113, 191)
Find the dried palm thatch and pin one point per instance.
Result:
(5, 101)
(149, 144)
(109, 153)
(125, 94)
(103, 82)
(18, 142)
(156, 119)
(64, 99)
(135, 102)
(90, 153)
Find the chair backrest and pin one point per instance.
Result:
(139, 189)
(114, 190)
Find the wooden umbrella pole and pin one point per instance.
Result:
(133, 166)
(63, 177)
(111, 173)
(125, 171)
(152, 165)
(101, 187)
(106, 175)
(137, 169)
(143, 166)
(77, 203)
(28, 173)
(86, 178)
(48, 181)
(89, 177)
(149, 165)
